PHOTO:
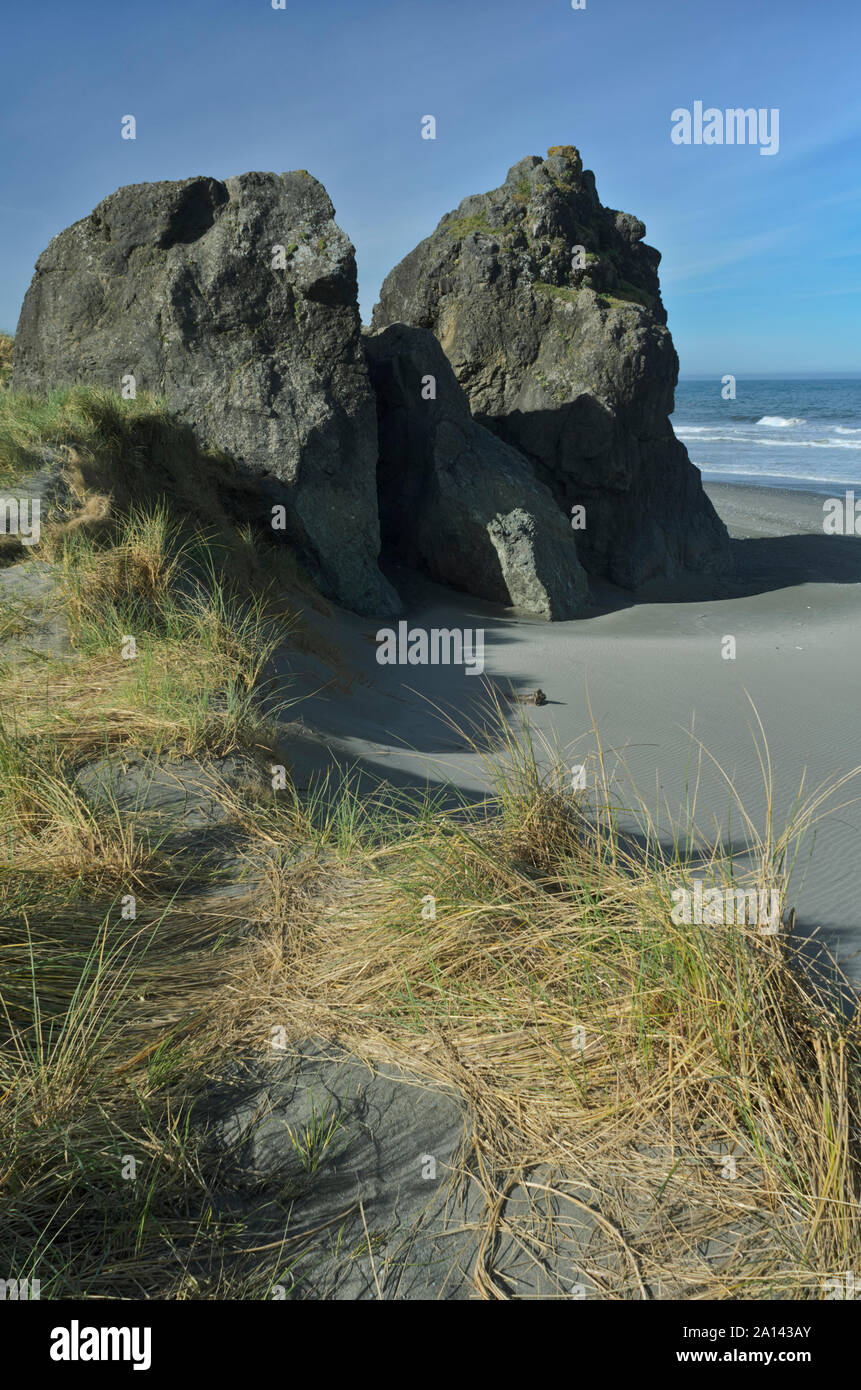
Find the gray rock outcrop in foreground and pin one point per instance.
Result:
(174, 284)
(565, 354)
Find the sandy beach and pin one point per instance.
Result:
(652, 673)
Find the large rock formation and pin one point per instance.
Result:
(548, 307)
(182, 286)
(455, 500)
(237, 302)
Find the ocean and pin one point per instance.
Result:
(792, 434)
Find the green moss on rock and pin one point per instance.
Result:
(565, 292)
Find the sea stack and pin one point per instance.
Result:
(504, 425)
(237, 302)
(548, 307)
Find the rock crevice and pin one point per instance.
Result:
(456, 501)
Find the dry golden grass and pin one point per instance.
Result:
(6, 346)
(697, 1043)
(607, 1057)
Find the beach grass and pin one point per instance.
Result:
(6, 346)
(191, 683)
(586, 1032)
(696, 1082)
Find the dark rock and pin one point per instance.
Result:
(572, 364)
(454, 499)
(174, 284)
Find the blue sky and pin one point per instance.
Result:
(761, 255)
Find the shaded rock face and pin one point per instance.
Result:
(454, 499)
(176, 284)
(564, 353)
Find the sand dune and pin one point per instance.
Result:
(651, 672)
